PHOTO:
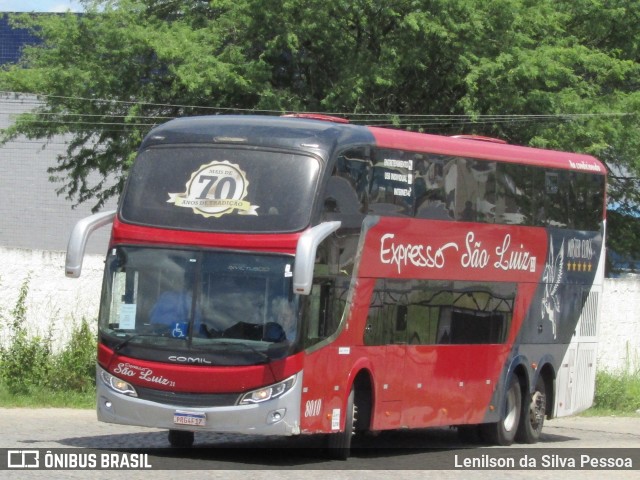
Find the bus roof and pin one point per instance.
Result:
(322, 136)
(472, 148)
(318, 136)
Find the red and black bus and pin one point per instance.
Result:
(293, 276)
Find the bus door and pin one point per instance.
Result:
(325, 372)
(385, 334)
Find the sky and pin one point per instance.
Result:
(39, 6)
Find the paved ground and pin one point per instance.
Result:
(55, 428)
(388, 455)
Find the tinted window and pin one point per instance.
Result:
(517, 198)
(348, 186)
(475, 197)
(215, 189)
(324, 308)
(557, 200)
(587, 192)
(465, 189)
(434, 182)
(427, 312)
(391, 189)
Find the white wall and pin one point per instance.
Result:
(53, 301)
(619, 330)
(57, 301)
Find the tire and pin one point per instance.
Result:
(534, 409)
(339, 444)
(504, 432)
(181, 438)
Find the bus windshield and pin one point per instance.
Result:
(210, 188)
(222, 308)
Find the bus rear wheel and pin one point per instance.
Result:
(504, 432)
(181, 438)
(339, 444)
(533, 412)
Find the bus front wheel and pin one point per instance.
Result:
(504, 431)
(339, 444)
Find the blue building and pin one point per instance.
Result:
(12, 40)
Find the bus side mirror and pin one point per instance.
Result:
(78, 240)
(306, 255)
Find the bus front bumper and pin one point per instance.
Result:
(278, 416)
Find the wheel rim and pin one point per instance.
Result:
(510, 418)
(537, 409)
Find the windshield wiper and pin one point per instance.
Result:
(124, 342)
(264, 356)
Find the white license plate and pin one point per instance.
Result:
(195, 419)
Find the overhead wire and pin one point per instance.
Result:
(381, 119)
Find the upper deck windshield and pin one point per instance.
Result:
(219, 308)
(210, 188)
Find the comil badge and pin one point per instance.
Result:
(216, 189)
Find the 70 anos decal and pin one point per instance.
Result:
(216, 189)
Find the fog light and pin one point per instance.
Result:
(276, 416)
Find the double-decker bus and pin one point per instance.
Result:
(302, 275)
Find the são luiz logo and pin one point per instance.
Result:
(216, 189)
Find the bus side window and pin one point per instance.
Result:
(587, 196)
(323, 311)
(346, 193)
(374, 329)
(429, 185)
(475, 199)
(422, 323)
(557, 205)
(315, 312)
(401, 318)
(391, 190)
(515, 194)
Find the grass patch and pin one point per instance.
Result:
(33, 375)
(46, 398)
(616, 394)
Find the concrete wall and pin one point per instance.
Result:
(53, 301)
(57, 302)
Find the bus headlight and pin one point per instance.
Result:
(267, 393)
(118, 384)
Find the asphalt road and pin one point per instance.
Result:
(403, 454)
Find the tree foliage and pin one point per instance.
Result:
(560, 74)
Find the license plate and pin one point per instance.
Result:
(195, 419)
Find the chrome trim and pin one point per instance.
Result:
(78, 240)
(306, 255)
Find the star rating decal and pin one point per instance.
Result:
(579, 266)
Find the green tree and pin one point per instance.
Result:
(113, 73)
(580, 76)
(551, 73)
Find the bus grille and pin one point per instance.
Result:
(188, 399)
